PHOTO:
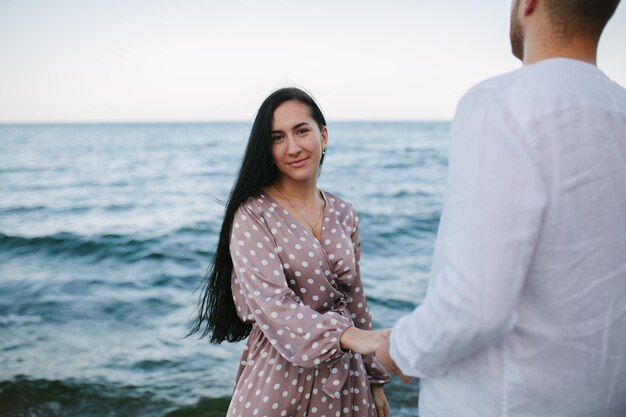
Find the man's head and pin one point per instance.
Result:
(564, 20)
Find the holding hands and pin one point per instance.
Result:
(366, 342)
(363, 341)
(372, 341)
(383, 356)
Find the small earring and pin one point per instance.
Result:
(323, 152)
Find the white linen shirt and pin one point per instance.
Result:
(525, 313)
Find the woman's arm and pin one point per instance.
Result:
(362, 338)
(300, 334)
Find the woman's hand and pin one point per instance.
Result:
(363, 341)
(384, 357)
(380, 401)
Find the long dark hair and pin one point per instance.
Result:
(217, 314)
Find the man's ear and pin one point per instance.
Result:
(530, 6)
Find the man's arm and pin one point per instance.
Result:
(491, 221)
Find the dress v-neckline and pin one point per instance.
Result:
(324, 211)
(332, 278)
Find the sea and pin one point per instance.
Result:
(106, 231)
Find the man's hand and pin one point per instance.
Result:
(382, 355)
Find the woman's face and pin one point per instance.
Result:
(297, 141)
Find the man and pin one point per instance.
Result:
(525, 313)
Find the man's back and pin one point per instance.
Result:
(564, 351)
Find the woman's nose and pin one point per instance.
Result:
(294, 147)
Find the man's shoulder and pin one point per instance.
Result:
(547, 86)
(496, 91)
(527, 81)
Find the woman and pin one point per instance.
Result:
(288, 257)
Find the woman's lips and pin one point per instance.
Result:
(297, 163)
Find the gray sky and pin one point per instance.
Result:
(156, 60)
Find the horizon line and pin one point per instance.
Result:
(198, 121)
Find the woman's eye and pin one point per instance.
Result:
(277, 138)
(303, 131)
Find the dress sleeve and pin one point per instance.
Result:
(357, 304)
(491, 221)
(300, 334)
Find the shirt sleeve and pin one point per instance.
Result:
(359, 311)
(493, 210)
(300, 334)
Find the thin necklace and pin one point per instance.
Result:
(313, 227)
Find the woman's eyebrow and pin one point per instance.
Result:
(299, 125)
(293, 128)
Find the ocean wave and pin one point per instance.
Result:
(39, 397)
(23, 396)
(206, 407)
(391, 303)
(18, 320)
(22, 209)
(173, 246)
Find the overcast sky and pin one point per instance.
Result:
(183, 60)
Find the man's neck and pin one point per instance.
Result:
(581, 49)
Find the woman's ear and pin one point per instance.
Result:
(324, 137)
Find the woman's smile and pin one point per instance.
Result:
(298, 163)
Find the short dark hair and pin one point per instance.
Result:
(580, 17)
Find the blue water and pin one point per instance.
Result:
(106, 231)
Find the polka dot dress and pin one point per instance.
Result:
(300, 294)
